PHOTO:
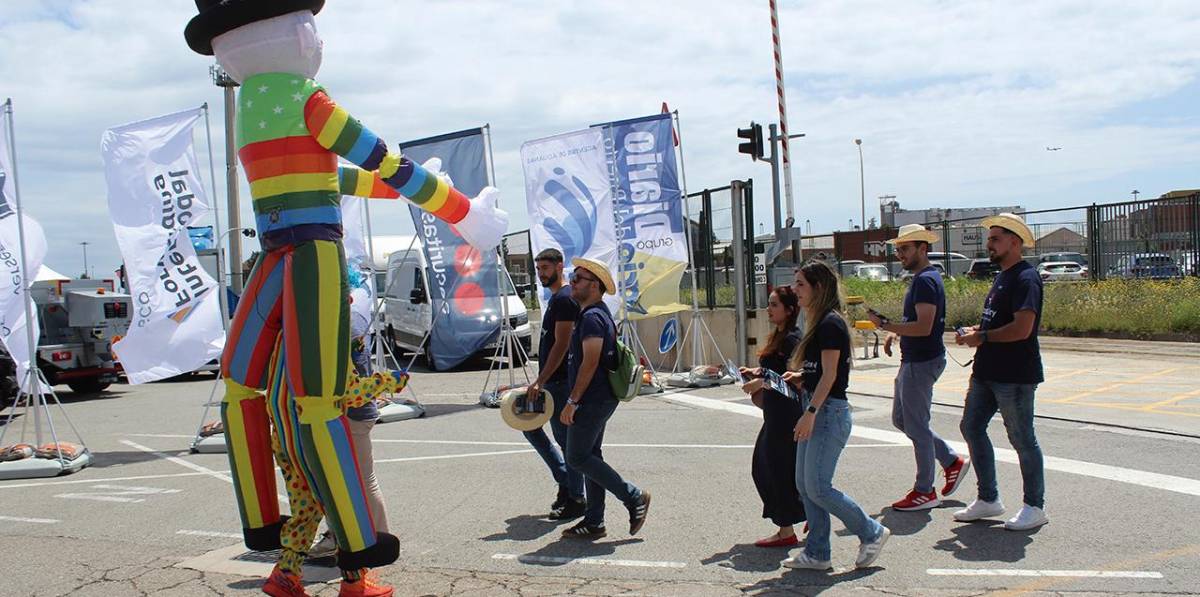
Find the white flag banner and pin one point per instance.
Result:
(359, 262)
(154, 193)
(13, 282)
(569, 196)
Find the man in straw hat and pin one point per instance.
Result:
(1008, 367)
(592, 403)
(922, 361)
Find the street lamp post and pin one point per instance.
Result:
(227, 84)
(84, 244)
(862, 193)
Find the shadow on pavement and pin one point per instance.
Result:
(574, 548)
(806, 582)
(986, 541)
(747, 557)
(911, 523)
(526, 527)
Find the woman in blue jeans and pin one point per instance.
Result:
(821, 368)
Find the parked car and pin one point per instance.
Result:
(873, 271)
(1060, 271)
(907, 275)
(955, 264)
(1063, 256)
(846, 268)
(983, 269)
(1153, 266)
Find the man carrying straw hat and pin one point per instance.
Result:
(592, 403)
(1008, 368)
(922, 361)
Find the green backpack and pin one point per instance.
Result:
(626, 376)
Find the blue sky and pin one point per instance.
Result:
(955, 102)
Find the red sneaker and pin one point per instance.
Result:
(367, 586)
(283, 584)
(917, 501)
(955, 473)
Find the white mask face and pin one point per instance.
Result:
(285, 44)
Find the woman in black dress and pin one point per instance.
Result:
(774, 465)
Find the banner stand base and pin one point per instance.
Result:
(36, 408)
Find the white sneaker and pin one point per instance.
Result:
(1029, 517)
(867, 552)
(801, 561)
(324, 547)
(980, 509)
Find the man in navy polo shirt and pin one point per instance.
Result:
(592, 403)
(922, 361)
(558, 322)
(1008, 368)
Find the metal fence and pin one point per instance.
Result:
(1155, 238)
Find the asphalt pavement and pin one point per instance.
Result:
(467, 497)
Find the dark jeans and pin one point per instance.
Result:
(1015, 403)
(564, 475)
(584, 439)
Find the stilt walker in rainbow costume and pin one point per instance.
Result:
(290, 134)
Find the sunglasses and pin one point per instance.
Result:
(575, 277)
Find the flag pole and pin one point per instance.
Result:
(33, 372)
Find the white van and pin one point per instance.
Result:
(406, 312)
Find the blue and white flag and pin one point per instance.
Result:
(648, 207)
(464, 283)
(569, 195)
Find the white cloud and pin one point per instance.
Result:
(955, 102)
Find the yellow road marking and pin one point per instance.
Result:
(1171, 401)
(1114, 385)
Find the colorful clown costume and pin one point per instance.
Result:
(289, 447)
(289, 134)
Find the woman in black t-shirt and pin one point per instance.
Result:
(774, 465)
(821, 365)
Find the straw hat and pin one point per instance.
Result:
(1012, 223)
(598, 269)
(524, 421)
(911, 233)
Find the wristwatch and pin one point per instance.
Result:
(572, 402)
(811, 408)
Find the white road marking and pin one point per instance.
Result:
(591, 561)
(222, 475)
(117, 493)
(78, 481)
(449, 456)
(208, 534)
(1066, 465)
(166, 435)
(1043, 573)
(33, 520)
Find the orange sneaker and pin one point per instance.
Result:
(367, 586)
(283, 584)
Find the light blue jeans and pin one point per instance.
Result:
(816, 461)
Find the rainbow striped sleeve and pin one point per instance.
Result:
(341, 133)
(337, 131)
(360, 183)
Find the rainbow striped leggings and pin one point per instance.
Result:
(296, 301)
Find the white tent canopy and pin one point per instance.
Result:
(45, 274)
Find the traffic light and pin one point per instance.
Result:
(753, 144)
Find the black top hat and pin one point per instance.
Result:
(221, 16)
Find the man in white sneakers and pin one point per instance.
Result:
(922, 361)
(1008, 368)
